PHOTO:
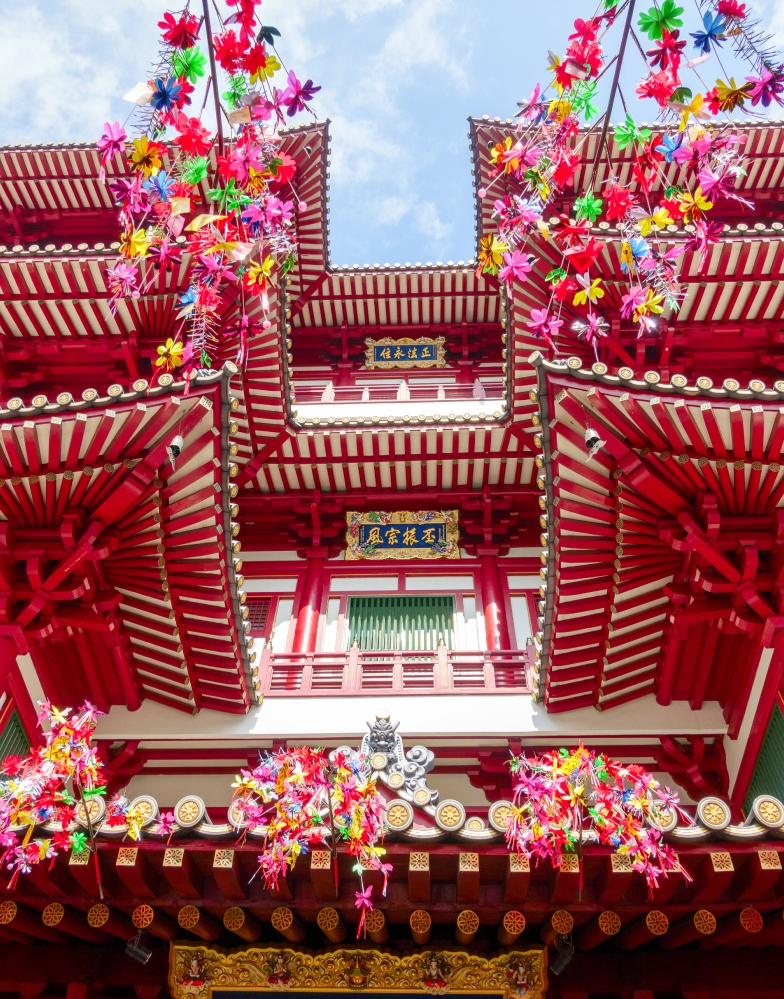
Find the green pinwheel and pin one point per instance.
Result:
(588, 207)
(657, 20)
(190, 63)
(629, 132)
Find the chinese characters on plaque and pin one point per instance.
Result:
(404, 534)
(426, 352)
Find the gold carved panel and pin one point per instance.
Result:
(402, 534)
(195, 970)
(424, 352)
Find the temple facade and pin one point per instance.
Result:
(382, 530)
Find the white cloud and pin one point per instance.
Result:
(387, 68)
(65, 64)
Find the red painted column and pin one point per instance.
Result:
(306, 628)
(493, 600)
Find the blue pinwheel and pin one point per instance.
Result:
(166, 94)
(160, 186)
(639, 249)
(668, 146)
(714, 32)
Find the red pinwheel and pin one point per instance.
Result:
(566, 168)
(229, 51)
(193, 138)
(618, 200)
(570, 232)
(731, 9)
(283, 167)
(181, 32)
(667, 51)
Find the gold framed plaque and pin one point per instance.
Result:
(377, 535)
(426, 352)
(199, 972)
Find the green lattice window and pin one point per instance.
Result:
(13, 741)
(768, 776)
(401, 623)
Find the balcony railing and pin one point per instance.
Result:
(352, 673)
(386, 392)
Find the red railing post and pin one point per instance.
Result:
(442, 674)
(265, 670)
(490, 670)
(306, 683)
(397, 672)
(352, 677)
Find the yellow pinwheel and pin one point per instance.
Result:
(693, 205)
(693, 109)
(730, 95)
(651, 305)
(591, 291)
(134, 243)
(658, 220)
(169, 355)
(257, 276)
(491, 253)
(270, 68)
(145, 157)
(504, 156)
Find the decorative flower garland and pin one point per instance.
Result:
(695, 132)
(300, 795)
(237, 250)
(295, 793)
(562, 794)
(47, 787)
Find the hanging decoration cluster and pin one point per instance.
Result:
(236, 244)
(695, 134)
(300, 796)
(47, 787)
(563, 793)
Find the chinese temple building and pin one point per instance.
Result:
(382, 531)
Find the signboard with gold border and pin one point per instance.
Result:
(405, 534)
(425, 352)
(199, 972)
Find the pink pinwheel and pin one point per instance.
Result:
(713, 185)
(594, 326)
(277, 212)
(532, 108)
(517, 267)
(632, 301)
(213, 270)
(767, 87)
(123, 281)
(296, 96)
(165, 825)
(165, 256)
(705, 233)
(544, 325)
(365, 905)
(112, 141)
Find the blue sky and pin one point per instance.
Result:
(399, 79)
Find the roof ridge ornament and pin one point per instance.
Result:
(404, 772)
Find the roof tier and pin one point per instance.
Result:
(118, 523)
(662, 551)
